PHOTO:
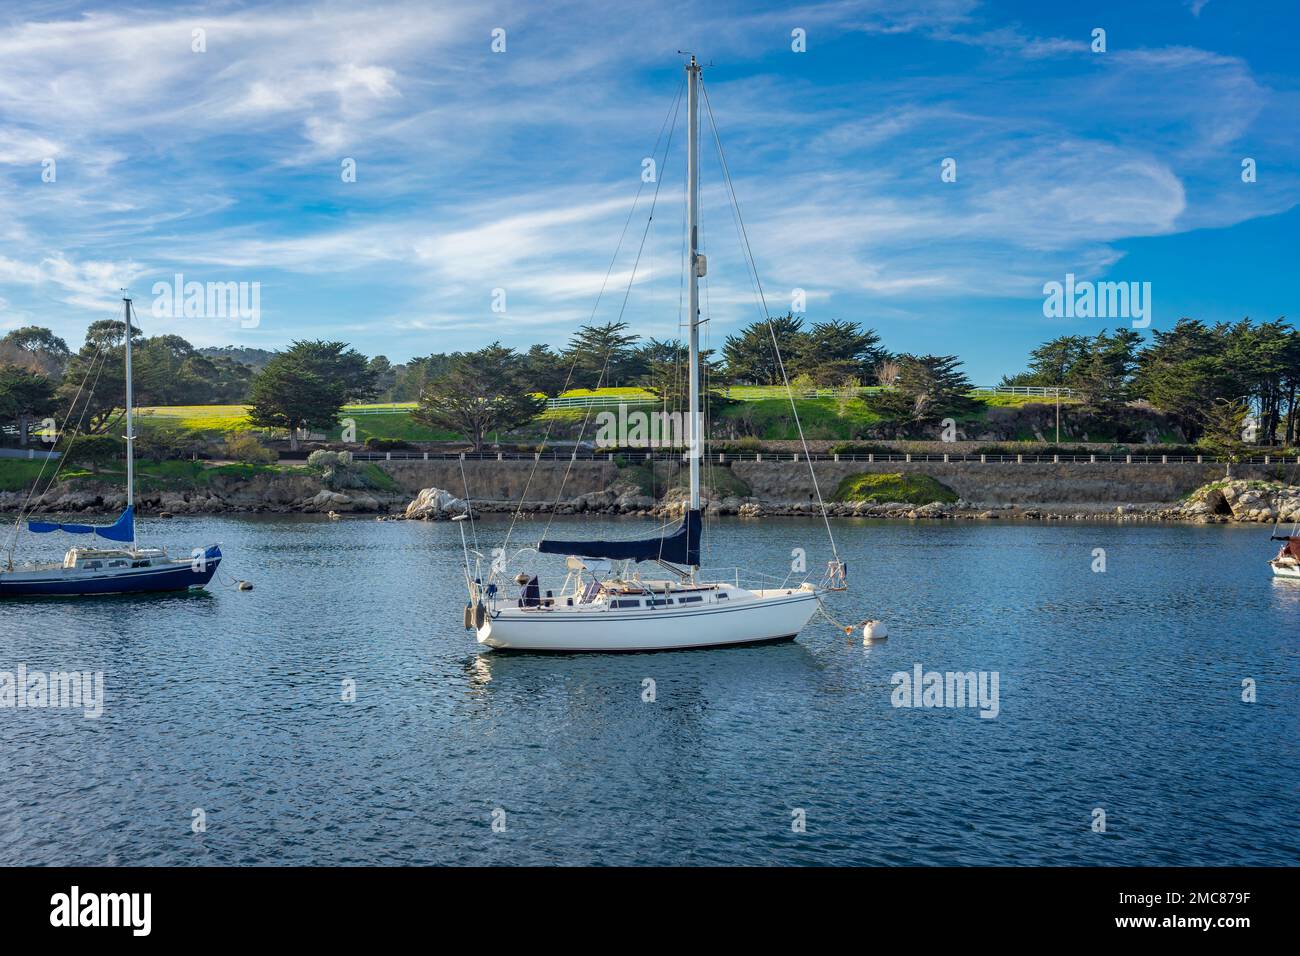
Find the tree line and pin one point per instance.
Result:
(1213, 381)
(1228, 383)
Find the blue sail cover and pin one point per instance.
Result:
(681, 546)
(123, 529)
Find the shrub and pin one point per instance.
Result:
(337, 469)
(858, 448)
(909, 489)
(386, 444)
(166, 441)
(244, 447)
(94, 450)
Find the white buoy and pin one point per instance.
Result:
(874, 631)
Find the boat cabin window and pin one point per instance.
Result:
(93, 565)
(117, 564)
(694, 599)
(626, 603)
(141, 564)
(722, 595)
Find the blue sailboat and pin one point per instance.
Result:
(128, 569)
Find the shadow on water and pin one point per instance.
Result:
(155, 599)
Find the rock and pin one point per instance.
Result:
(750, 509)
(434, 504)
(326, 500)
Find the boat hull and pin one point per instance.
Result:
(60, 582)
(1290, 571)
(770, 618)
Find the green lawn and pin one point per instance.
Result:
(213, 421)
(766, 413)
(821, 418)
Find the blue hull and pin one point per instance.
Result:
(176, 577)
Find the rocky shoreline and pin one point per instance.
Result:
(1238, 501)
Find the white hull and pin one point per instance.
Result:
(1291, 571)
(746, 617)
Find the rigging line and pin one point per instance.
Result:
(771, 328)
(77, 429)
(13, 535)
(469, 507)
(631, 280)
(672, 112)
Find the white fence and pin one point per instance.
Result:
(745, 394)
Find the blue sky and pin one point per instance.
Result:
(479, 171)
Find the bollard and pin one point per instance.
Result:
(908, 458)
(945, 457)
(426, 454)
(983, 458)
(871, 457)
(1164, 459)
(837, 454)
(1128, 459)
(1198, 459)
(1020, 459)
(1092, 459)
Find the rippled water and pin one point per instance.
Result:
(1120, 690)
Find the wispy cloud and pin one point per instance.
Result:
(478, 170)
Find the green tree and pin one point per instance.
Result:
(1053, 363)
(1102, 376)
(25, 395)
(750, 357)
(603, 355)
(927, 388)
(544, 371)
(336, 362)
(93, 450)
(94, 382)
(1182, 371)
(293, 392)
(35, 349)
(832, 352)
(1223, 427)
(481, 392)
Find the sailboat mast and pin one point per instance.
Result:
(130, 426)
(697, 267)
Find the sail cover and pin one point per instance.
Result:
(681, 546)
(123, 529)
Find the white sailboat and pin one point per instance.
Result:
(1286, 563)
(605, 604)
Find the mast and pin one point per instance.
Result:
(130, 427)
(697, 268)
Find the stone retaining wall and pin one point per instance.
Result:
(1101, 485)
